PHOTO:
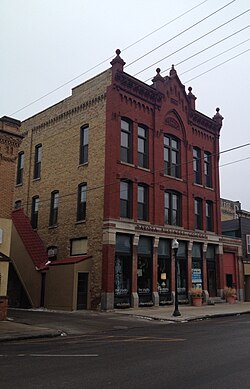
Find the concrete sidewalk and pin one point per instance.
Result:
(188, 312)
(13, 330)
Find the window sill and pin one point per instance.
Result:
(145, 169)
(126, 219)
(36, 179)
(83, 164)
(80, 222)
(199, 185)
(173, 177)
(18, 185)
(174, 226)
(209, 188)
(126, 163)
(52, 227)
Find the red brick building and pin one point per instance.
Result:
(129, 167)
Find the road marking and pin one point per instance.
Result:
(63, 355)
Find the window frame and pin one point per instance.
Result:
(34, 212)
(143, 206)
(144, 139)
(83, 238)
(127, 202)
(54, 204)
(170, 168)
(198, 216)
(209, 216)
(37, 161)
(84, 144)
(197, 165)
(248, 244)
(81, 202)
(169, 210)
(208, 169)
(20, 164)
(126, 153)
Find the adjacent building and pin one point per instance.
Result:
(109, 177)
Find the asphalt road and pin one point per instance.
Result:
(203, 354)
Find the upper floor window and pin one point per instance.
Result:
(142, 146)
(198, 213)
(81, 202)
(142, 202)
(54, 208)
(171, 156)
(172, 208)
(209, 216)
(37, 163)
(126, 199)
(207, 169)
(84, 144)
(34, 211)
(197, 165)
(20, 161)
(78, 246)
(126, 141)
(248, 244)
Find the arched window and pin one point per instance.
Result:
(172, 208)
(126, 140)
(84, 144)
(172, 157)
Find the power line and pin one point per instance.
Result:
(108, 59)
(147, 173)
(218, 55)
(203, 50)
(222, 63)
(192, 42)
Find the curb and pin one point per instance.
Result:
(11, 338)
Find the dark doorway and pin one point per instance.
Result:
(82, 291)
(229, 280)
(211, 278)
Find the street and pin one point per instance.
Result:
(138, 354)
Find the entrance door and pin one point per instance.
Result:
(211, 278)
(82, 291)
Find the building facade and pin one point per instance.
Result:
(114, 173)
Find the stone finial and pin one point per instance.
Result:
(218, 117)
(118, 61)
(191, 98)
(172, 72)
(158, 77)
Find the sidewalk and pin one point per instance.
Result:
(13, 330)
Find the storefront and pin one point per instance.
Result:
(145, 271)
(164, 271)
(123, 270)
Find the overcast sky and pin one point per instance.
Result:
(46, 43)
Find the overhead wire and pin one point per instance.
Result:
(109, 58)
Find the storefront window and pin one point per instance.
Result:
(144, 271)
(164, 271)
(197, 266)
(123, 266)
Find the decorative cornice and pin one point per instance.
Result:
(10, 140)
(71, 112)
(172, 122)
(202, 121)
(138, 88)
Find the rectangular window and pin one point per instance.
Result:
(81, 202)
(54, 208)
(126, 141)
(142, 202)
(208, 170)
(79, 246)
(248, 244)
(34, 212)
(84, 144)
(198, 213)
(18, 204)
(20, 161)
(209, 216)
(197, 165)
(125, 199)
(171, 156)
(37, 163)
(172, 208)
(142, 147)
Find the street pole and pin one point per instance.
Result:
(175, 245)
